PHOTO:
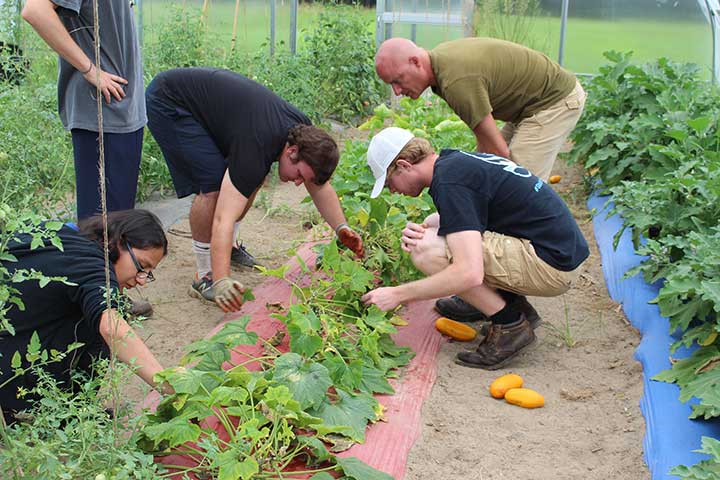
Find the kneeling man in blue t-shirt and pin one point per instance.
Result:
(499, 233)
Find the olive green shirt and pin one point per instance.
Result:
(478, 76)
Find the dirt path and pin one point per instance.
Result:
(590, 428)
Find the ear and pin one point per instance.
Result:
(402, 163)
(292, 152)
(414, 61)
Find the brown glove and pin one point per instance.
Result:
(350, 239)
(228, 294)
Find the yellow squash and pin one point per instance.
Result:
(455, 330)
(501, 385)
(524, 397)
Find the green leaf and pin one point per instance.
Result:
(322, 476)
(34, 345)
(16, 361)
(277, 273)
(305, 319)
(248, 295)
(307, 381)
(359, 470)
(182, 380)
(226, 396)
(348, 416)
(235, 333)
(700, 124)
(57, 243)
(302, 344)
(177, 431)
(233, 469)
(374, 381)
(54, 226)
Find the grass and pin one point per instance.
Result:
(586, 38)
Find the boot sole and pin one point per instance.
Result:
(195, 294)
(496, 366)
(473, 317)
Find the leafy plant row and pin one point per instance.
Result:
(273, 420)
(650, 137)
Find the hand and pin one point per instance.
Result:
(351, 240)
(228, 294)
(411, 235)
(109, 84)
(385, 298)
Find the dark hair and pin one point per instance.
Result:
(140, 228)
(316, 148)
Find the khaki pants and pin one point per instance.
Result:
(510, 264)
(536, 141)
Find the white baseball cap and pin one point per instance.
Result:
(383, 149)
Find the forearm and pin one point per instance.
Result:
(221, 247)
(328, 204)
(128, 347)
(449, 281)
(44, 19)
(489, 139)
(496, 146)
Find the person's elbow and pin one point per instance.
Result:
(34, 10)
(28, 13)
(112, 329)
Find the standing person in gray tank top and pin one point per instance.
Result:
(67, 26)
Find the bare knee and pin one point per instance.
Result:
(429, 255)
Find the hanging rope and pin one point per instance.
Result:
(103, 207)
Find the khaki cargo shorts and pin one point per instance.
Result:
(535, 141)
(511, 264)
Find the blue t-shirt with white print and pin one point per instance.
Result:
(484, 192)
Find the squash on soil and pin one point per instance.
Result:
(455, 330)
(501, 385)
(555, 179)
(524, 397)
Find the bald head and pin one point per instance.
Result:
(405, 66)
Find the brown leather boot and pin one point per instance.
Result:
(501, 345)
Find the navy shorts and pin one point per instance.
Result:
(196, 164)
(122, 165)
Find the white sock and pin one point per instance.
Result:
(202, 258)
(236, 232)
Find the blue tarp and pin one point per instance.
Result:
(670, 436)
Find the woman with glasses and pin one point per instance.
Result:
(63, 313)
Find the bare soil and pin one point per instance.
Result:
(591, 426)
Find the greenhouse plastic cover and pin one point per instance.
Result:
(670, 436)
(388, 442)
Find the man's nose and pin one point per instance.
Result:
(298, 182)
(396, 89)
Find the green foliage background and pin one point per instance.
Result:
(650, 138)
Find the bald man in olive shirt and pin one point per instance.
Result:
(485, 79)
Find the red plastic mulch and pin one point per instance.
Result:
(387, 443)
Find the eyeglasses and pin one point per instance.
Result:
(141, 274)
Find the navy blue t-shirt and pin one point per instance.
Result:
(484, 192)
(60, 313)
(247, 121)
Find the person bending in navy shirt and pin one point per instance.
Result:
(499, 233)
